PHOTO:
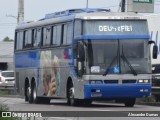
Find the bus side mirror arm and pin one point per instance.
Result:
(151, 42)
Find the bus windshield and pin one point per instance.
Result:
(106, 55)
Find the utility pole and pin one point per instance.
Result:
(123, 5)
(87, 4)
(20, 17)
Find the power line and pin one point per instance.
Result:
(110, 6)
(8, 23)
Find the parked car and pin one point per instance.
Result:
(7, 78)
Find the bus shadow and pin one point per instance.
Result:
(93, 105)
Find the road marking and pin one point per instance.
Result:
(101, 110)
(62, 118)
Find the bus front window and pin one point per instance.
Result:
(137, 54)
(102, 56)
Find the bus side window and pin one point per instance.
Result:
(15, 44)
(28, 39)
(57, 35)
(19, 40)
(37, 37)
(34, 37)
(16, 40)
(54, 35)
(67, 34)
(46, 36)
(78, 28)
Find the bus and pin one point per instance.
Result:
(84, 55)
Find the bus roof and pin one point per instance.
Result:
(74, 11)
(108, 15)
(69, 15)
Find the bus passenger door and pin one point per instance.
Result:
(79, 58)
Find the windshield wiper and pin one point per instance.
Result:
(128, 63)
(114, 59)
(108, 69)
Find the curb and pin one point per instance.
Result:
(149, 103)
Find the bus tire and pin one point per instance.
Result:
(38, 100)
(29, 94)
(71, 96)
(130, 102)
(34, 94)
(26, 93)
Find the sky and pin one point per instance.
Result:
(36, 9)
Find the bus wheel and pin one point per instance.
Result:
(29, 94)
(130, 102)
(26, 93)
(71, 100)
(34, 94)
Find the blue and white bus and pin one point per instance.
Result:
(84, 55)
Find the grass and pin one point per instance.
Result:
(7, 92)
(150, 99)
(3, 92)
(5, 108)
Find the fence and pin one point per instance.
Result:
(10, 89)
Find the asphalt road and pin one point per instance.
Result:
(18, 104)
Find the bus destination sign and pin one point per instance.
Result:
(122, 28)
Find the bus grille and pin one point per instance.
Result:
(116, 81)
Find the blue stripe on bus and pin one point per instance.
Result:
(101, 37)
(27, 60)
(116, 91)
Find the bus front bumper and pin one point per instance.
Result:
(116, 91)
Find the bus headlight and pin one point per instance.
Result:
(143, 81)
(146, 81)
(92, 82)
(95, 82)
(140, 81)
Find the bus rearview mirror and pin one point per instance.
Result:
(155, 51)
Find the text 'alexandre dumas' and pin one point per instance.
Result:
(109, 28)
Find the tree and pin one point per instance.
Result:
(7, 39)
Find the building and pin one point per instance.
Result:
(6, 55)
